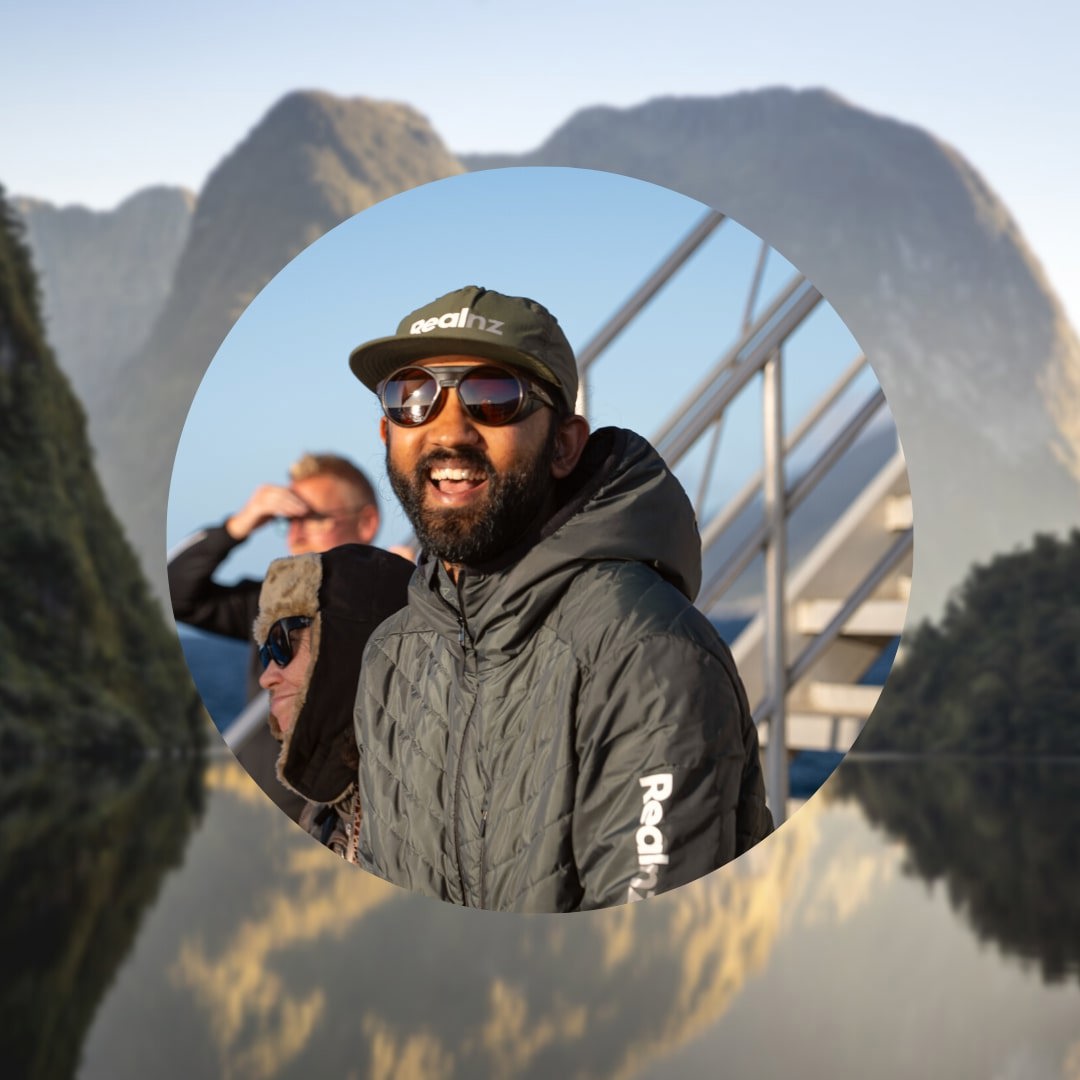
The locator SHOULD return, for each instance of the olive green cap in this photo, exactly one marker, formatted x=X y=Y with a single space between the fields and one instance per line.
x=474 y=321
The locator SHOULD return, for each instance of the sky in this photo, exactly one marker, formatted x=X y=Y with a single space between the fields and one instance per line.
x=102 y=100
x=360 y=279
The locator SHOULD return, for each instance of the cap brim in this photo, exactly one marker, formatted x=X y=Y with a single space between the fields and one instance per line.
x=374 y=360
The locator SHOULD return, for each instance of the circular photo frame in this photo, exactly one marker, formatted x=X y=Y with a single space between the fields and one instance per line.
x=662 y=519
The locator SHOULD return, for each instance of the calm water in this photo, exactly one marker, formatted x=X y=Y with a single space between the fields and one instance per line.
x=914 y=918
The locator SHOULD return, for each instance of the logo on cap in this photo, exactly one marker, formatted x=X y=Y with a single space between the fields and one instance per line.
x=452 y=320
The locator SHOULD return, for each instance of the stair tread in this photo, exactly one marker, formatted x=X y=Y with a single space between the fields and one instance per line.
x=881 y=618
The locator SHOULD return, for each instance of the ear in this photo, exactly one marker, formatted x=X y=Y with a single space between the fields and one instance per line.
x=570 y=441
x=367 y=524
x=382 y=429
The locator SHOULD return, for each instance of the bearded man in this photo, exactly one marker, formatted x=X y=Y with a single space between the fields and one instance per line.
x=549 y=725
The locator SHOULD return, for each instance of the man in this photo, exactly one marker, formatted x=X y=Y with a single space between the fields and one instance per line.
x=328 y=502
x=550 y=725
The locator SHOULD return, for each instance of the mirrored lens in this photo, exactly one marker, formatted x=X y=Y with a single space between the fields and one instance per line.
x=278 y=645
x=408 y=396
x=491 y=395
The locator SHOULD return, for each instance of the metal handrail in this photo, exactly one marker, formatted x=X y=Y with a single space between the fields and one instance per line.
x=590 y=352
x=747 y=358
x=250 y=719
x=745 y=496
x=728 y=573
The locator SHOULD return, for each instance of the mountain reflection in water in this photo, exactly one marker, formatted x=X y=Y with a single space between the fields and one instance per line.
x=84 y=849
x=821 y=953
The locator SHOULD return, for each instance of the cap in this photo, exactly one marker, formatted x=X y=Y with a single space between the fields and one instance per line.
x=475 y=321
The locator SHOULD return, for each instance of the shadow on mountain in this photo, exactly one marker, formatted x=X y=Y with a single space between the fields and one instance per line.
x=1000 y=835
x=83 y=853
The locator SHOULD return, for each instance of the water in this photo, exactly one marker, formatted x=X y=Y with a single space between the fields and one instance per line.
x=914 y=918
x=219 y=667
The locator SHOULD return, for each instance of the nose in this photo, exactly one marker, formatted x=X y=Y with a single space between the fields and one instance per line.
x=270 y=677
x=297 y=536
x=452 y=425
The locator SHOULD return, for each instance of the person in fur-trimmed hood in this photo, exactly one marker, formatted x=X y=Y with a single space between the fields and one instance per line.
x=316 y=613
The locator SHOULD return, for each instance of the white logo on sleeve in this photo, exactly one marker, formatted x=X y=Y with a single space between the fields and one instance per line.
x=452 y=320
x=650 y=840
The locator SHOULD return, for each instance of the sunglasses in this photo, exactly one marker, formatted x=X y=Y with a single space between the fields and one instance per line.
x=278 y=645
x=490 y=395
x=313 y=520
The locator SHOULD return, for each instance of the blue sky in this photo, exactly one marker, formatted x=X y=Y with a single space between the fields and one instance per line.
x=101 y=100
x=280 y=383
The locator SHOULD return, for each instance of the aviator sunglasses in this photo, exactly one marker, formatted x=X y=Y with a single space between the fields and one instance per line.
x=278 y=645
x=490 y=395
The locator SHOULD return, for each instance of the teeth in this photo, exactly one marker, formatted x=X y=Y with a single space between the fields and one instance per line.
x=455 y=474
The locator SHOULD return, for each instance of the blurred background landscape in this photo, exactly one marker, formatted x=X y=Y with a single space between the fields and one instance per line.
x=919 y=914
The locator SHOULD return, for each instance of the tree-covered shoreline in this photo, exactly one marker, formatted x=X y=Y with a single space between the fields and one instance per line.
x=88 y=664
x=1000 y=674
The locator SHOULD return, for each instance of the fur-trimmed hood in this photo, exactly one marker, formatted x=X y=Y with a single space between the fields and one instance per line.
x=347 y=592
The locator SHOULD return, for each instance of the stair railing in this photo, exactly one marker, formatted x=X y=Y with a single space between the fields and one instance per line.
x=758 y=349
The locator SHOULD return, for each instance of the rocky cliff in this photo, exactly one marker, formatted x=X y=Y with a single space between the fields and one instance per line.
x=86 y=661
x=311 y=162
x=105 y=277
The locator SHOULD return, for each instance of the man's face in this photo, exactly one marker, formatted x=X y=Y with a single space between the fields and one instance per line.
x=469 y=489
x=336 y=516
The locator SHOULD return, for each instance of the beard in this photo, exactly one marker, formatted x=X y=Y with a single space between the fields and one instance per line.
x=467 y=536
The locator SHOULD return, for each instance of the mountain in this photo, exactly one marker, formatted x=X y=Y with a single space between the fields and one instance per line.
x=86 y=661
x=311 y=162
x=925 y=266
x=908 y=243
x=105 y=276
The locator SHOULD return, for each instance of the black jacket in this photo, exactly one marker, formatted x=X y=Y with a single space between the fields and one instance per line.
x=201 y=602
x=564 y=730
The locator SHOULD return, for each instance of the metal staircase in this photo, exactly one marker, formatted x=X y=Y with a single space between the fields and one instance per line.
x=830 y=600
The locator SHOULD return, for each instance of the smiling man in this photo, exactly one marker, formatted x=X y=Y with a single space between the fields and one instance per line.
x=550 y=725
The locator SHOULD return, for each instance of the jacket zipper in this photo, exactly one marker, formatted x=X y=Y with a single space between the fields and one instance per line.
x=464 y=641
x=483 y=848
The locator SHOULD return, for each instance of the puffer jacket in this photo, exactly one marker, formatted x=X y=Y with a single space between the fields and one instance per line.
x=563 y=730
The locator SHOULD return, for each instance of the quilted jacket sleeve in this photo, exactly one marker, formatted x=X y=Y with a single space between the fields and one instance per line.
x=669 y=785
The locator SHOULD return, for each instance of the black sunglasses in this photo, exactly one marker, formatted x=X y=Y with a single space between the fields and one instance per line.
x=490 y=395
x=278 y=645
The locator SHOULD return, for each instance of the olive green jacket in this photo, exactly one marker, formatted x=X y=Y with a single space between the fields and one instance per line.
x=563 y=730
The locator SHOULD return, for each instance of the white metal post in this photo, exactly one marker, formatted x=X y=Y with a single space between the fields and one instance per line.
x=776 y=760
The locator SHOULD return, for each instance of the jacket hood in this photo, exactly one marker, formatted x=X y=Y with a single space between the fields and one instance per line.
x=620 y=503
x=347 y=591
